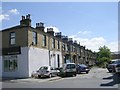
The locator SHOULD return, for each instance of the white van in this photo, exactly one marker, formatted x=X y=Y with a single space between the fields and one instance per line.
x=69 y=69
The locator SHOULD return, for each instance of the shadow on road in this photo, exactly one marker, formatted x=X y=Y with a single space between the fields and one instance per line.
x=45 y=78
x=10 y=78
x=115 y=80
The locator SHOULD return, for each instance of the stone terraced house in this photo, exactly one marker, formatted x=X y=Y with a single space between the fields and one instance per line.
x=25 y=48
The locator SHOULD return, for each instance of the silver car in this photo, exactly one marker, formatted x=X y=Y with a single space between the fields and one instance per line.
x=45 y=71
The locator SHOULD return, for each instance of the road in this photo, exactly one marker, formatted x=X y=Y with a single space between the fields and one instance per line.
x=96 y=78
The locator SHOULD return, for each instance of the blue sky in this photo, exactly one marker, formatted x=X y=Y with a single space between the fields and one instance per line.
x=93 y=24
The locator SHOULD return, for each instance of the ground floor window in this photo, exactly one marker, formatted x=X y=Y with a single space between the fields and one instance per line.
x=10 y=63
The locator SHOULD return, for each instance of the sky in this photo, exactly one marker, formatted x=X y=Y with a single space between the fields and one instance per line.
x=93 y=24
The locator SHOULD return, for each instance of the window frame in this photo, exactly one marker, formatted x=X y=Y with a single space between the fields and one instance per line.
x=44 y=43
x=10 y=63
x=53 y=43
x=34 y=37
x=58 y=44
x=12 y=37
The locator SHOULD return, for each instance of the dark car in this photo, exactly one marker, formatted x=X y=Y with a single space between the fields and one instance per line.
x=117 y=68
x=82 y=68
x=113 y=66
x=68 y=69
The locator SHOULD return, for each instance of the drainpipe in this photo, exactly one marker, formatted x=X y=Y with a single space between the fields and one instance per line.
x=49 y=50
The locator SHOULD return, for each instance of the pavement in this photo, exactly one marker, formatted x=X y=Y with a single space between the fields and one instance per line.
x=30 y=79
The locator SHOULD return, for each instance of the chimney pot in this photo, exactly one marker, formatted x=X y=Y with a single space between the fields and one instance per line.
x=41 y=24
x=28 y=16
x=36 y=24
x=23 y=17
x=49 y=29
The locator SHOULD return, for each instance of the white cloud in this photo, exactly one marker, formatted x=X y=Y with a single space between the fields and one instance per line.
x=55 y=29
x=4 y=17
x=95 y=42
x=6 y=14
x=113 y=46
x=14 y=11
x=84 y=32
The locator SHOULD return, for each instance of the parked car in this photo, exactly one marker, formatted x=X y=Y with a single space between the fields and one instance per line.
x=45 y=71
x=56 y=71
x=114 y=66
x=110 y=65
x=82 y=68
x=68 y=69
x=117 y=68
x=35 y=74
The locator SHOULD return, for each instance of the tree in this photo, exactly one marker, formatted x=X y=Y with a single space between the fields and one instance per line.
x=104 y=55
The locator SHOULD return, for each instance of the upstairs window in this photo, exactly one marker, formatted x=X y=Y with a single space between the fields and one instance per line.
x=63 y=46
x=34 y=34
x=44 y=40
x=53 y=43
x=12 y=38
x=72 y=48
x=58 y=45
x=81 y=51
x=67 y=48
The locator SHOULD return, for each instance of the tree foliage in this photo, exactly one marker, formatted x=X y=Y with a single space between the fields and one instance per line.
x=104 y=55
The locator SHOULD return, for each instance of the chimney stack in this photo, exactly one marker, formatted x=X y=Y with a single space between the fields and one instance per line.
x=50 y=31
x=75 y=41
x=70 y=40
x=40 y=26
x=65 y=38
x=58 y=34
x=26 y=21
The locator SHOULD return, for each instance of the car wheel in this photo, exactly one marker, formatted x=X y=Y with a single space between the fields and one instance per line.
x=87 y=72
x=39 y=76
x=62 y=76
x=75 y=74
x=110 y=71
x=78 y=72
x=32 y=76
x=58 y=74
x=50 y=75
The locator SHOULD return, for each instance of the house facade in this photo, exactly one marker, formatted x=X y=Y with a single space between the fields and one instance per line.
x=25 y=48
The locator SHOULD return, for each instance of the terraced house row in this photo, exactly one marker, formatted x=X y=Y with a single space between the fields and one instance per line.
x=25 y=49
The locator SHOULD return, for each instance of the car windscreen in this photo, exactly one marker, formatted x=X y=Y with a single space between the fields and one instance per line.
x=70 y=66
x=112 y=62
x=43 y=68
x=117 y=62
x=83 y=65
